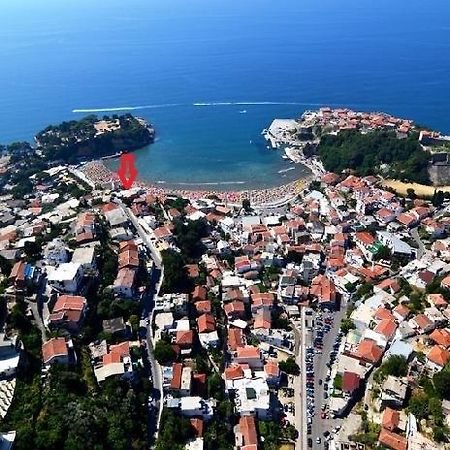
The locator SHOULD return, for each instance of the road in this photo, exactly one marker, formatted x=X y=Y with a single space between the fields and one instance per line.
x=300 y=384
x=146 y=238
x=421 y=247
x=156 y=400
x=319 y=425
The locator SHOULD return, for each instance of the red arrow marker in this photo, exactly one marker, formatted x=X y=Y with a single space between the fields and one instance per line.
x=127 y=171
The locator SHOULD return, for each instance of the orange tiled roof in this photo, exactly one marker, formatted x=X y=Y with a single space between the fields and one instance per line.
x=369 y=351
x=438 y=355
x=392 y=440
x=53 y=348
x=391 y=419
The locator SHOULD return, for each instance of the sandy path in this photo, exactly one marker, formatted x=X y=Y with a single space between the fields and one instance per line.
x=420 y=189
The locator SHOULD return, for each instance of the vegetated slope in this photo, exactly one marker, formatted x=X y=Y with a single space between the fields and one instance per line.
x=378 y=152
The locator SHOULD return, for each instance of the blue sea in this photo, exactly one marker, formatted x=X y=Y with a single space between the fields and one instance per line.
x=211 y=74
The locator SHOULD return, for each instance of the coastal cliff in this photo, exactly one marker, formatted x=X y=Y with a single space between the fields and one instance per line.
x=91 y=137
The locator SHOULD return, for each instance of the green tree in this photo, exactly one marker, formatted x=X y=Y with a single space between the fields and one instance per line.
x=347 y=325
x=395 y=365
x=289 y=366
x=164 y=353
x=438 y=198
x=441 y=381
x=418 y=405
x=216 y=386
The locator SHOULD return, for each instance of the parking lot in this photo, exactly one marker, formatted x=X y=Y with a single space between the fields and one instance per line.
x=321 y=346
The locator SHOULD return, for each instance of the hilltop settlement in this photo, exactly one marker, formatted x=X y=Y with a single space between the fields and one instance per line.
x=145 y=318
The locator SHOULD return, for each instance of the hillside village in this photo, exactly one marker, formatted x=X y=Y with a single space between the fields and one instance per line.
x=320 y=323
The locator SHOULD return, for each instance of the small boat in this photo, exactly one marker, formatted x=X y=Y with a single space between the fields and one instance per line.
x=243 y=111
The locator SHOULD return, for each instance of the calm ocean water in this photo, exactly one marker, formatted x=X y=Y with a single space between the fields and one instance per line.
x=168 y=55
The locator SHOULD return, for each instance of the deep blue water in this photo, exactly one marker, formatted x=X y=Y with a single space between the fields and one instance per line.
x=57 y=56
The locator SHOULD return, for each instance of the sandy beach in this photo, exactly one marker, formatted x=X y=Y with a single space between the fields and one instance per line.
x=99 y=174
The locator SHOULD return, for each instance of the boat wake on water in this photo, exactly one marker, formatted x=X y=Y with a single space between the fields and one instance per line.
x=196 y=104
x=286 y=170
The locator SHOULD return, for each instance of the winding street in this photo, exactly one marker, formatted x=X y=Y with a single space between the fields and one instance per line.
x=421 y=247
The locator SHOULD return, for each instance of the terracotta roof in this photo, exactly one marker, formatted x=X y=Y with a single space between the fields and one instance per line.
x=383 y=314
x=437 y=300
x=234 y=372
x=247 y=427
x=324 y=289
x=203 y=306
x=272 y=370
x=235 y=338
x=18 y=271
x=369 y=351
x=438 y=355
x=234 y=307
x=206 y=323
x=422 y=321
x=248 y=352
x=199 y=293
x=402 y=310
x=364 y=237
x=441 y=337
x=350 y=382
x=390 y=285
x=177 y=371
x=391 y=419
x=53 y=348
x=184 y=338
x=392 y=440
x=386 y=328
x=197 y=425
x=193 y=270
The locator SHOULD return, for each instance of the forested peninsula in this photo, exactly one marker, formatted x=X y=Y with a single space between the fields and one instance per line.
x=92 y=137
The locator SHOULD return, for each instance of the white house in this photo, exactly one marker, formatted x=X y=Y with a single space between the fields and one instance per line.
x=66 y=277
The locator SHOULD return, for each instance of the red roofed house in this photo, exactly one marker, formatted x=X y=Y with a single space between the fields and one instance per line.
x=391 y=419
x=247 y=433
x=181 y=380
x=437 y=300
x=262 y=300
x=235 y=339
x=249 y=355
x=206 y=323
x=68 y=312
x=184 y=340
x=197 y=425
x=235 y=310
x=369 y=351
x=386 y=328
x=234 y=372
x=324 y=290
x=422 y=323
x=392 y=440
x=203 y=306
x=273 y=373
x=437 y=357
x=441 y=337
x=408 y=220
x=200 y=293
x=17 y=275
x=350 y=382
x=55 y=350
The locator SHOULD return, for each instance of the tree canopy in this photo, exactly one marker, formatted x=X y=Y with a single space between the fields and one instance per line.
x=375 y=152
